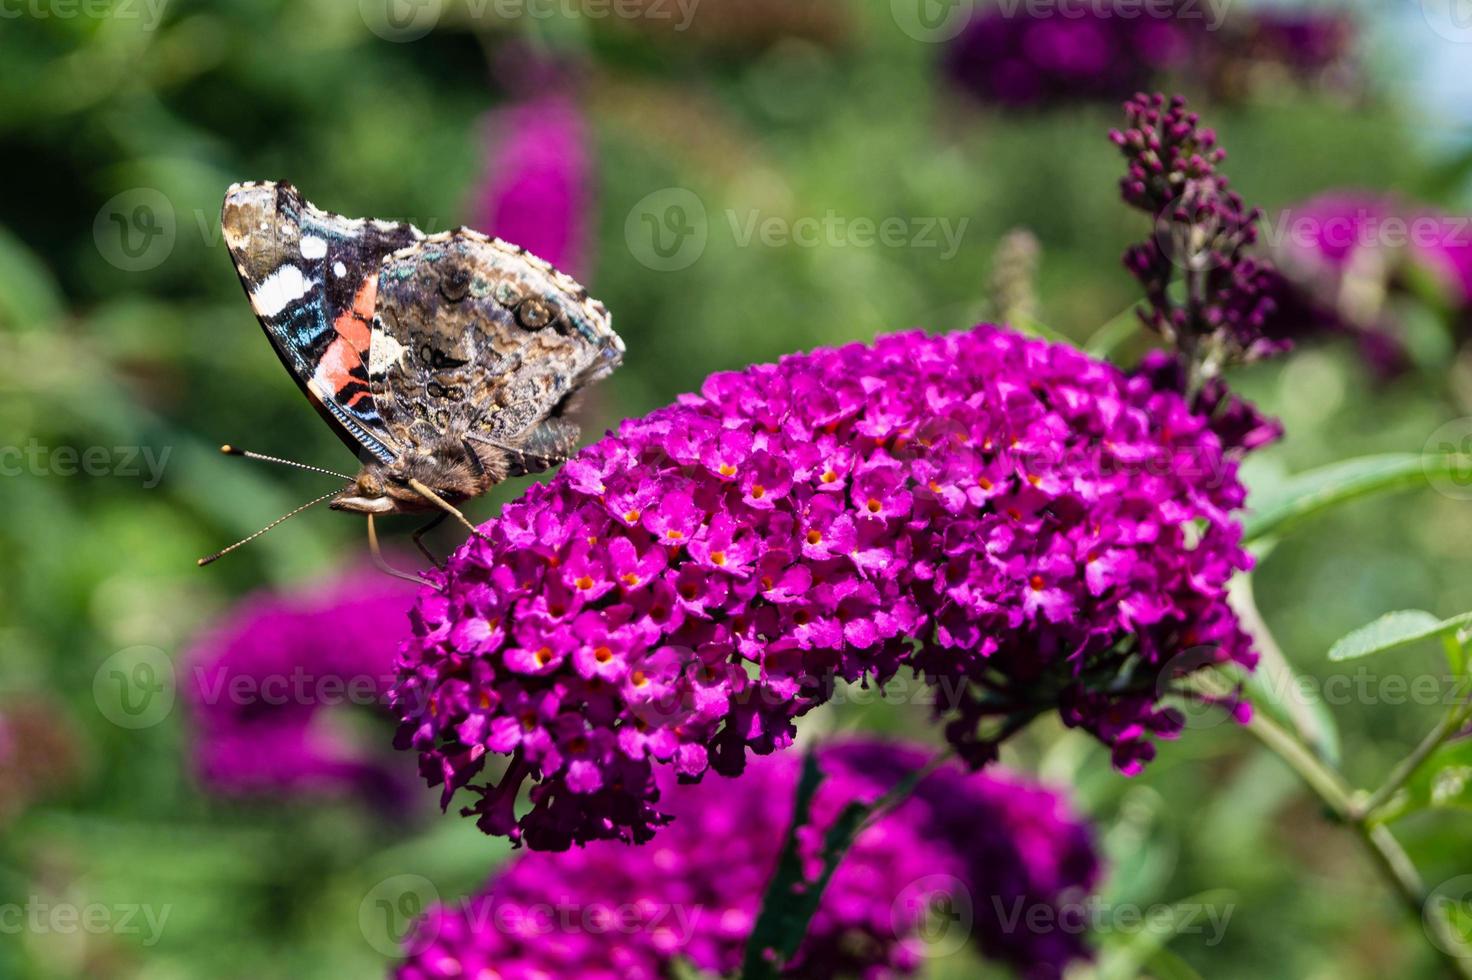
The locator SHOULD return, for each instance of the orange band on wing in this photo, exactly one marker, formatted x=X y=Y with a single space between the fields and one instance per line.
x=342 y=372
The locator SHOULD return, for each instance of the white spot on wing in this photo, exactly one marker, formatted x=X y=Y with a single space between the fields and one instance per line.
x=383 y=353
x=313 y=247
x=339 y=270
x=279 y=290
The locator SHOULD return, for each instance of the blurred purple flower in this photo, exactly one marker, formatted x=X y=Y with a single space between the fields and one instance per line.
x=1027 y=57
x=538 y=186
x=262 y=683
x=1022 y=55
x=1348 y=255
x=1264 y=48
x=997 y=850
x=1020 y=524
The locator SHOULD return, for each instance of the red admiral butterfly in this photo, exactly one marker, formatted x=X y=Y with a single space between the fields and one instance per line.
x=446 y=362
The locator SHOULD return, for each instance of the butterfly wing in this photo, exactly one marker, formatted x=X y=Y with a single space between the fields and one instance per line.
x=477 y=338
x=312 y=279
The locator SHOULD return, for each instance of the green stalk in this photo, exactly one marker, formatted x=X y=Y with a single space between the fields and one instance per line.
x=1389 y=858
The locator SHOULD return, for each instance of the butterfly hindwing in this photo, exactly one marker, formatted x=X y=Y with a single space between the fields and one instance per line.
x=312 y=280
x=475 y=338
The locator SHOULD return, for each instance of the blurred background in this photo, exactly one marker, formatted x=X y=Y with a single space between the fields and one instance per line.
x=735 y=179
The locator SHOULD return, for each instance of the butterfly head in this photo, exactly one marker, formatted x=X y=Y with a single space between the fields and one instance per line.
x=454 y=470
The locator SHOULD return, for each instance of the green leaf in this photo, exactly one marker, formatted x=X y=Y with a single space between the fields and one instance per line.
x=783 y=905
x=791 y=900
x=1311 y=493
x=1393 y=631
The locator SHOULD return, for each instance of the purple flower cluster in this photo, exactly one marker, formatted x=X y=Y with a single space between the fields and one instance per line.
x=1203 y=232
x=262 y=683
x=537 y=191
x=994 y=848
x=1020 y=524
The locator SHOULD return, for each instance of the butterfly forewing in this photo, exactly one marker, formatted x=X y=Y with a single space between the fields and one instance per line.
x=312 y=280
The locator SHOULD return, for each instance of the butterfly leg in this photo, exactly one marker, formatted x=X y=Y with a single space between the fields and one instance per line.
x=434 y=522
x=446 y=506
x=383 y=565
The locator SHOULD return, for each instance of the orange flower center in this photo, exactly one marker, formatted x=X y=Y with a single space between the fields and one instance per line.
x=758 y=491
x=638 y=679
x=603 y=655
x=829 y=476
x=727 y=470
x=630 y=578
x=632 y=516
x=815 y=536
x=1037 y=583
x=718 y=557
x=873 y=505
x=584 y=582
x=544 y=656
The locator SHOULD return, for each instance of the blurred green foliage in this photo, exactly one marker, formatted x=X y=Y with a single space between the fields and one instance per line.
x=849 y=120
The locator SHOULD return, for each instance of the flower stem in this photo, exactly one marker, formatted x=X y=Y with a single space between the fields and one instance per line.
x=1454 y=721
x=1393 y=863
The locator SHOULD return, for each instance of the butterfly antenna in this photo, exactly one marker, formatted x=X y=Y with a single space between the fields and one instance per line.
x=284 y=517
x=230 y=450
